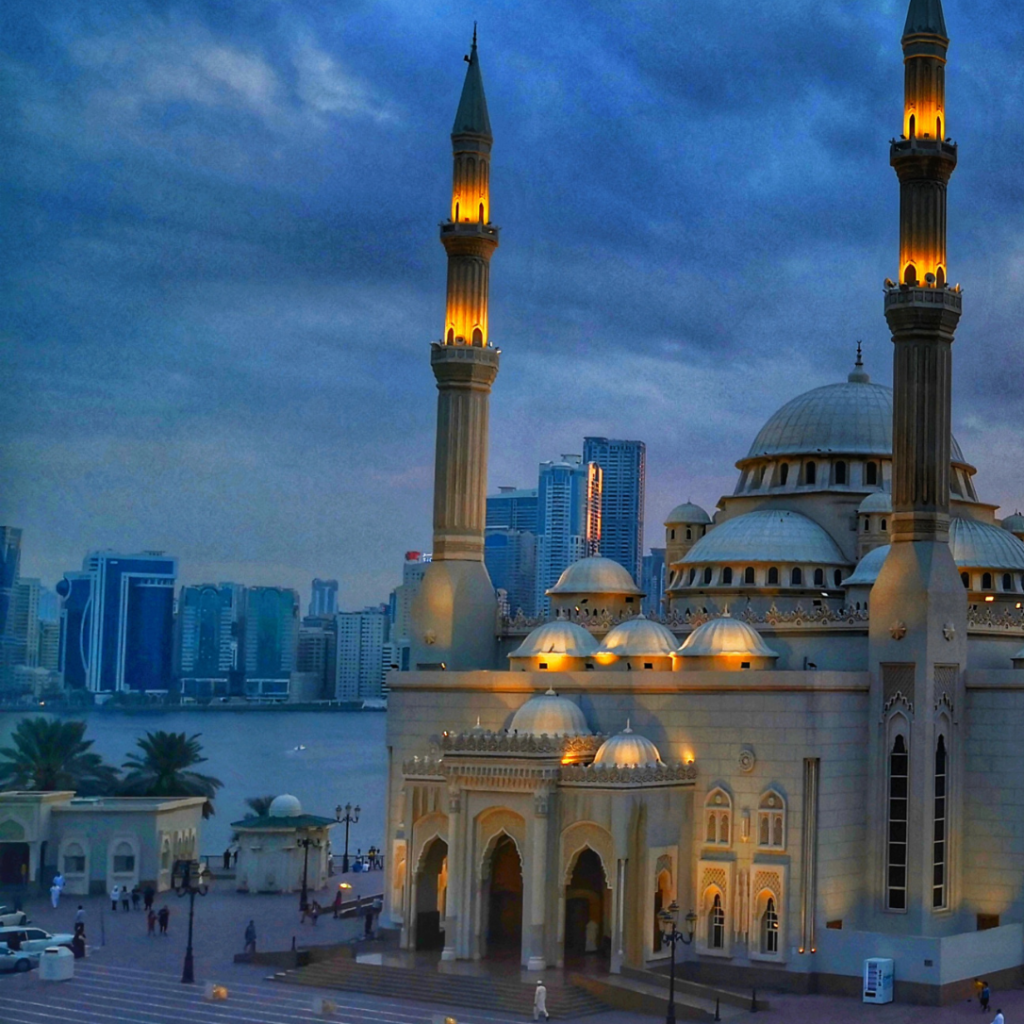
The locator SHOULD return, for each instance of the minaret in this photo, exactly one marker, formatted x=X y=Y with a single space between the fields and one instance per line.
x=454 y=615
x=918 y=606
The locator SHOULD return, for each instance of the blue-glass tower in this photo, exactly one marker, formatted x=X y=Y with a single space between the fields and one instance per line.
x=623 y=472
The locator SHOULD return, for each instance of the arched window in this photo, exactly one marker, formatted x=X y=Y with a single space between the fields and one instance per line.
x=784 y=474
x=689 y=534
x=124 y=859
x=748 y=575
x=74 y=859
x=796 y=577
x=871 y=474
x=672 y=534
x=693 y=575
x=773 y=577
x=965 y=579
x=451 y=336
x=896 y=867
x=838 y=577
x=819 y=577
x=456 y=211
x=760 y=476
x=1007 y=581
x=810 y=473
x=770 y=928
x=939 y=858
x=913 y=129
x=707 y=575
x=986 y=581
x=771 y=821
x=885 y=525
x=726 y=576
x=840 y=472
x=711 y=835
x=481 y=213
x=478 y=337
x=716 y=924
x=717 y=808
x=867 y=523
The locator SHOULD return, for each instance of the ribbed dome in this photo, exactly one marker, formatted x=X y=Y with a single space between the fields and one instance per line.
x=595 y=575
x=627 y=749
x=1014 y=523
x=559 y=636
x=548 y=713
x=687 y=513
x=639 y=637
x=285 y=806
x=868 y=568
x=879 y=501
x=984 y=546
x=852 y=418
x=766 y=536
x=725 y=635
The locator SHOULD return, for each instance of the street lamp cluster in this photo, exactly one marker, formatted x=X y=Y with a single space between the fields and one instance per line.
x=350 y=817
x=668 y=921
x=190 y=878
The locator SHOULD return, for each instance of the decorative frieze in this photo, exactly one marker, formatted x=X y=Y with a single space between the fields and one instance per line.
x=621 y=776
x=480 y=742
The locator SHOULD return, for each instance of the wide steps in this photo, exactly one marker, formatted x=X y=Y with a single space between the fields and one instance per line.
x=457 y=990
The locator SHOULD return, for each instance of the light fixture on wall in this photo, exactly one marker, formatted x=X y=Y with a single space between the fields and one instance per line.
x=745 y=826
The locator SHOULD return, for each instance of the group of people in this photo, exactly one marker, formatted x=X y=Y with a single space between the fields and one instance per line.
x=984 y=996
x=141 y=899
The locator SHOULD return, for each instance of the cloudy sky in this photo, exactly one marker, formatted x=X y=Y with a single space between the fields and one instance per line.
x=221 y=270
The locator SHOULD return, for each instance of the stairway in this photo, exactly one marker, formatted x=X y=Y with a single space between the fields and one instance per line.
x=471 y=992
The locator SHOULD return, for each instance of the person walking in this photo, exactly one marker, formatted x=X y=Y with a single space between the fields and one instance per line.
x=985 y=996
x=126 y=898
x=163 y=918
x=80 y=916
x=54 y=895
x=151 y=922
x=115 y=895
x=336 y=905
x=78 y=942
x=250 y=937
x=147 y=897
x=540 y=1002
x=227 y=859
x=998 y=1018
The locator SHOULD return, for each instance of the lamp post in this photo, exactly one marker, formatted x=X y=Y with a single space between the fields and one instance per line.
x=668 y=919
x=306 y=843
x=189 y=878
x=350 y=817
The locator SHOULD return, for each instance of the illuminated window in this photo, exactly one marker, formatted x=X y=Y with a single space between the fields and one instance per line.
x=986 y=581
x=748 y=575
x=771 y=821
x=726 y=576
x=773 y=577
x=819 y=577
x=784 y=474
x=796 y=577
x=451 y=336
x=965 y=579
x=939 y=839
x=717 y=809
x=840 y=472
x=716 y=924
x=871 y=474
x=478 y=337
x=896 y=866
x=810 y=473
x=770 y=928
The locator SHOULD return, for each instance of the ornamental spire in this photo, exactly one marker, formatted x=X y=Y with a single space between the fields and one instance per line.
x=471 y=117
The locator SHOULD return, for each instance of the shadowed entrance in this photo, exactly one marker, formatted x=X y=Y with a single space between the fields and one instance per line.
x=431 y=896
x=586 y=898
x=505 y=900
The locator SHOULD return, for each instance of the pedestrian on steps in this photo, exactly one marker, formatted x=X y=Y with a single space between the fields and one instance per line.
x=540 y=1002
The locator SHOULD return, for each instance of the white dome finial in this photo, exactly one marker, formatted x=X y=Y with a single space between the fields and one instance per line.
x=627 y=729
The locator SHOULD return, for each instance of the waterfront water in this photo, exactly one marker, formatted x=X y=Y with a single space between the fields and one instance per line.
x=323 y=758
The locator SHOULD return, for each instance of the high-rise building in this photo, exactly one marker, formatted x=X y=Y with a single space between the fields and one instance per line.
x=210 y=636
x=271 y=638
x=413 y=569
x=324 y=600
x=623 y=476
x=117 y=622
x=318 y=652
x=652 y=582
x=511 y=559
x=49 y=605
x=361 y=639
x=568 y=519
x=49 y=646
x=25 y=614
x=513 y=508
x=11 y=650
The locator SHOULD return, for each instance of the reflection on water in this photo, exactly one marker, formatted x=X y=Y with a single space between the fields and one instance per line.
x=323 y=758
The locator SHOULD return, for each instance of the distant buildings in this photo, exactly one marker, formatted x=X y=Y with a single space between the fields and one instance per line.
x=623 y=475
x=568 y=519
x=652 y=582
x=117 y=623
x=402 y=597
x=361 y=640
x=210 y=630
x=271 y=640
x=510 y=546
x=317 y=657
x=324 y=599
x=12 y=647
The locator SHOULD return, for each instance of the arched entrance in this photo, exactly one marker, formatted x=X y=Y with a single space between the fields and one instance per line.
x=662 y=898
x=431 y=895
x=14 y=863
x=587 y=912
x=504 y=899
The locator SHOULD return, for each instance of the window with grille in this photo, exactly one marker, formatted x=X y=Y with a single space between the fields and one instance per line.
x=896 y=861
x=770 y=928
x=939 y=844
x=716 y=924
x=771 y=821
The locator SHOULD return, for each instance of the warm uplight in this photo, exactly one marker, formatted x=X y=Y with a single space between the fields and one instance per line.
x=344 y=885
x=989 y=597
x=471 y=201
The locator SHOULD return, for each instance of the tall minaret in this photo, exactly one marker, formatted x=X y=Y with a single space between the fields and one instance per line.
x=454 y=614
x=918 y=607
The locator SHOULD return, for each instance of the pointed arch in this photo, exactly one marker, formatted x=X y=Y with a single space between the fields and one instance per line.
x=583 y=835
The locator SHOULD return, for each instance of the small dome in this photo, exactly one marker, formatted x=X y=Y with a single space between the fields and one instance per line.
x=627 y=749
x=687 y=513
x=878 y=501
x=1014 y=523
x=285 y=806
x=559 y=636
x=639 y=637
x=868 y=568
x=984 y=546
x=725 y=635
x=595 y=575
x=766 y=536
x=551 y=714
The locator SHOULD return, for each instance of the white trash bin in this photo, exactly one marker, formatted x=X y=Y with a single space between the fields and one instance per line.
x=57 y=963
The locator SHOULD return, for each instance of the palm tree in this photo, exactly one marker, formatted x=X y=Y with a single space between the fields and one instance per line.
x=49 y=754
x=259 y=805
x=163 y=769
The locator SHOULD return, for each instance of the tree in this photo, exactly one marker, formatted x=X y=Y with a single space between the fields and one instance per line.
x=163 y=769
x=49 y=754
x=259 y=805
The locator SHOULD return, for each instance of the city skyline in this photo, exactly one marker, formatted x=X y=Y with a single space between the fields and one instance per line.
x=212 y=291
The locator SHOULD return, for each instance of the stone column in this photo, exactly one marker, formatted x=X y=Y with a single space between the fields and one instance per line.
x=618 y=914
x=534 y=940
x=455 y=868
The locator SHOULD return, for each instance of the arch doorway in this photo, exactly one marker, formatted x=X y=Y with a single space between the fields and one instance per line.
x=662 y=898
x=431 y=895
x=504 y=899
x=14 y=863
x=587 y=908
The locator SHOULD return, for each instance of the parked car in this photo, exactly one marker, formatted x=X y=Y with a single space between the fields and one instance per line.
x=11 y=960
x=32 y=940
x=9 y=916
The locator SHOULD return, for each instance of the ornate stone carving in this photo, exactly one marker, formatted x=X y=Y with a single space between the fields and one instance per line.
x=898 y=630
x=747 y=759
x=949 y=631
x=493 y=823
x=770 y=881
x=717 y=878
x=576 y=838
x=898 y=684
x=990 y=617
x=423 y=766
x=563 y=747
x=624 y=777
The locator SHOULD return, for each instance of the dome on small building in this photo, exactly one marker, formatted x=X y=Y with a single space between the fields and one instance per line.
x=876 y=502
x=284 y=806
x=638 y=637
x=978 y=545
x=725 y=636
x=766 y=536
x=595 y=575
x=548 y=713
x=627 y=749
x=687 y=514
x=557 y=637
x=1014 y=523
x=868 y=568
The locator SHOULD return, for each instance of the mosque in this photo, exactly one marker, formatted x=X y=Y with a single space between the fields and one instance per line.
x=814 y=747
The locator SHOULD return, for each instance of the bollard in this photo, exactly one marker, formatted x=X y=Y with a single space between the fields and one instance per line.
x=753 y=1002
x=717 y=1016
x=293 y=943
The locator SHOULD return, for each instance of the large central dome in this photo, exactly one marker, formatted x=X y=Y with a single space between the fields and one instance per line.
x=852 y=418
